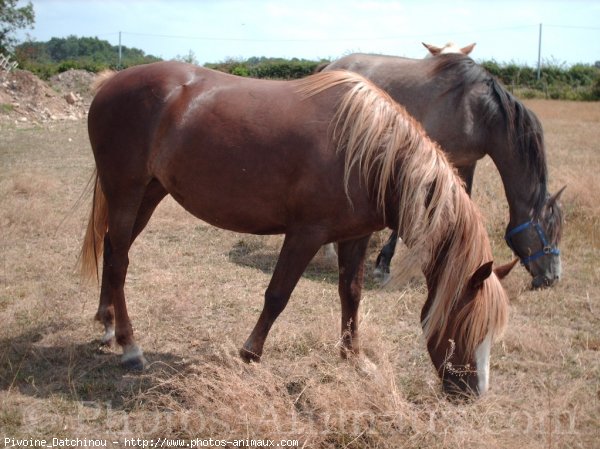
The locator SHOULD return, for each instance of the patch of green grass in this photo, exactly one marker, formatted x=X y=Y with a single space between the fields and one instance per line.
x=6 y=108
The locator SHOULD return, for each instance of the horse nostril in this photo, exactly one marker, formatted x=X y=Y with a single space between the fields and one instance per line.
x=540 y=282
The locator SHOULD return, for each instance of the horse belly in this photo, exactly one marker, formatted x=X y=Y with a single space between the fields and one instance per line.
x=233 y=201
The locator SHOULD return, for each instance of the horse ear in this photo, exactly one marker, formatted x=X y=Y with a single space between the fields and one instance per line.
x=468 y=49
x=480 y=275
x=502 y=271
x=554 y=198
x=432 y=49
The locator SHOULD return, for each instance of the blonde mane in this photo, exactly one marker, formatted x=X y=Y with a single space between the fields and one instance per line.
x=436 y=219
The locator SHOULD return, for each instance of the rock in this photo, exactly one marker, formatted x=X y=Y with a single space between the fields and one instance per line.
x=71 y=98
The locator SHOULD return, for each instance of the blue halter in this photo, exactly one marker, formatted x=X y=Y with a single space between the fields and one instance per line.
x=546 y=247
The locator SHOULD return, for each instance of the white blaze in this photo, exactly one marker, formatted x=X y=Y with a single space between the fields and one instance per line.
x=482 y=359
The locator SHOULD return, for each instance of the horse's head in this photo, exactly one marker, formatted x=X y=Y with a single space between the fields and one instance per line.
x=461 y=352
x=536 y=241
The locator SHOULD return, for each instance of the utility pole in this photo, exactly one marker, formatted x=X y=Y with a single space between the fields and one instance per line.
x=539 y=67
x=121 y=54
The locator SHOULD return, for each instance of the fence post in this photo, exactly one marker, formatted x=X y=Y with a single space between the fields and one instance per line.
x=120 y=53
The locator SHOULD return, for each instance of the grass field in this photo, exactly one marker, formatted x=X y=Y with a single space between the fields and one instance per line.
x=194 y=293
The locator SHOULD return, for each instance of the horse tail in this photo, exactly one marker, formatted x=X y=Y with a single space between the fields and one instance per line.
x=93 y=242
x=101 y=80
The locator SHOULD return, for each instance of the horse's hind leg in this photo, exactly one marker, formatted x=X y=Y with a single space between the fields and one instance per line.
x=297 y=251
x=125 y=224
x=351 y=259
x=153 y=195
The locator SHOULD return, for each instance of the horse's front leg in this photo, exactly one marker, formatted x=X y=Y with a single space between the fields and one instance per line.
x=297 y=251
x=351 y=259
x=467 y=173
x=384 y=259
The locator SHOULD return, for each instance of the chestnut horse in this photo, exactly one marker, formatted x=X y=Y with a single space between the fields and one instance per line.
x=328 y=158
x=469 y=114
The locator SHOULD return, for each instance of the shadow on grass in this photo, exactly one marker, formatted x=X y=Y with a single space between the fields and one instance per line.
x=260 y=257
x=78 y=371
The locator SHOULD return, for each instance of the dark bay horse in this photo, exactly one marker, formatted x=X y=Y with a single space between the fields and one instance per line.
x=469 y=114
x=328 y=158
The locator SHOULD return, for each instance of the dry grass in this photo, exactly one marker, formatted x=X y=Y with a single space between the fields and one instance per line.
x=194 y=293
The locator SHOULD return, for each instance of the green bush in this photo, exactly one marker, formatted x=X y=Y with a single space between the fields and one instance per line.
x=90 y=66
x=595 y=90
x=578 y=82
x=240 y=70
x=42 y=70
x=271 y=68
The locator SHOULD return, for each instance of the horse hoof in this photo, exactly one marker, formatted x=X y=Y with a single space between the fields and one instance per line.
x=135 y=364
x=249 y=356
x=108 y=338
x=106 y=344
x=133 y=359
x=380 y=275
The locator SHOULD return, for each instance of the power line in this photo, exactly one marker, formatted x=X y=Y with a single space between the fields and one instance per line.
x=343 y=39
x=574 y=27
x=107 y=34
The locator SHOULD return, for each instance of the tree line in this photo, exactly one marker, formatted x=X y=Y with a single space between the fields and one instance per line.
x=45 y=59
x=57 y=55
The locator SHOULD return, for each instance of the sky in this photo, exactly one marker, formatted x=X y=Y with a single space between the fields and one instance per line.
x=216 y=30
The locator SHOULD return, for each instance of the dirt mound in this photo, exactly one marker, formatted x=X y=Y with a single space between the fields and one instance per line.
x=78 y=82
x=24 y=98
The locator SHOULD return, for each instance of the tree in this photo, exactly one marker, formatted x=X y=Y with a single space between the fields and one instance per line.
x=12 y=19
x=189 y=58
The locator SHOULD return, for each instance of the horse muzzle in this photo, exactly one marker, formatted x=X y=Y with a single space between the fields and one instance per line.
x=543 y=281
x=460 y=389
x=546 y=273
